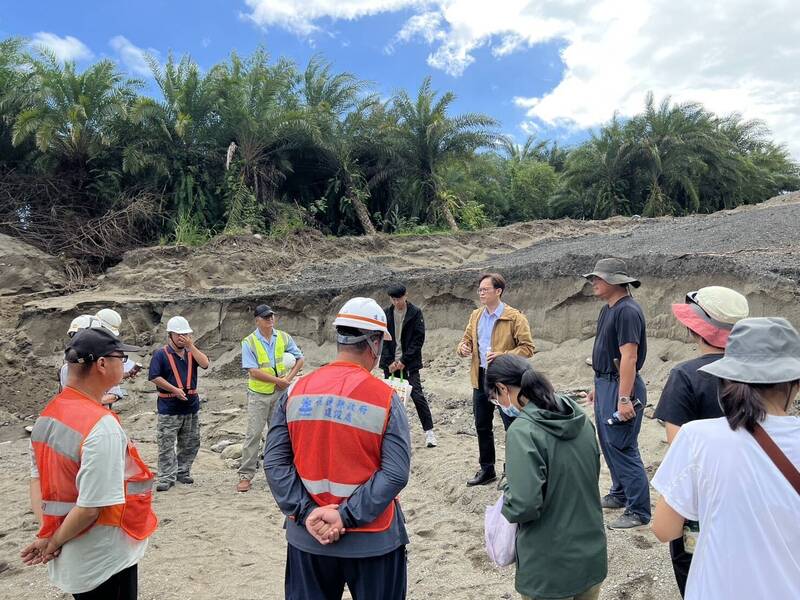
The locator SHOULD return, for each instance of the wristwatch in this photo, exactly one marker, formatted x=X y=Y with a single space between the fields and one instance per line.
x=624 y=400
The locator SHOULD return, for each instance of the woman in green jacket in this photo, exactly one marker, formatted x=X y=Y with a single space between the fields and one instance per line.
x=551 y=490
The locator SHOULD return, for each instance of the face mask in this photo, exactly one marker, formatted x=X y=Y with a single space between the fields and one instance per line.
x=377 y=349
x=511 y=410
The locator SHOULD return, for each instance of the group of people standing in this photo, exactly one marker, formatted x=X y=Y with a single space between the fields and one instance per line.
x=337 y=451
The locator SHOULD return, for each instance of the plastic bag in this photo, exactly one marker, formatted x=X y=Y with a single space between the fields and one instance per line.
x=501 y=536
x=401 y=386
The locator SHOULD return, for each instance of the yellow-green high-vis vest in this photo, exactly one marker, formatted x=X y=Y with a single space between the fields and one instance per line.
x=277 y=370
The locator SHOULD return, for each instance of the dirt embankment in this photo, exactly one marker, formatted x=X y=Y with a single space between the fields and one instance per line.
x=232 y=545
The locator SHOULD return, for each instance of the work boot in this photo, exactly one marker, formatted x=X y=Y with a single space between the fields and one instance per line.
x=627 y=520
x=482 y=477
x=186 y=479
x=610 y=501
x=243 y=485
x=163 y=486
x=430 y=439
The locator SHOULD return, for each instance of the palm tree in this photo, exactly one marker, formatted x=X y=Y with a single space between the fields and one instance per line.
x=174 y=145
x=337 y=106
x=601 y=168
x=261 y=119
x=427 y=138
x=73 y=117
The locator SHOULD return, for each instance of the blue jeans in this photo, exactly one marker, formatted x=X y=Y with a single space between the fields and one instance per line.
x=620 y=446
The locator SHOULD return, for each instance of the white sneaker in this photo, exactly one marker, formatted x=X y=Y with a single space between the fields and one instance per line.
x=430 y=439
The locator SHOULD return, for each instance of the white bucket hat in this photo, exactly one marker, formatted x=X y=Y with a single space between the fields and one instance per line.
x=762 y=350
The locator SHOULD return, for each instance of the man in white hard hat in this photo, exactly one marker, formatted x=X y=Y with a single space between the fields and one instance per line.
x=337 y=455
x=79 y=323
x=111 y=320
x=173 y=371
x=263 y=357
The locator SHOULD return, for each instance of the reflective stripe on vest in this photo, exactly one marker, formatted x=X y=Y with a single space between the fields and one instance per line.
x=61 y=438
x=326 y=486
x=336 y=418
x=177 y=376
x=264 y=364
x=57 y=439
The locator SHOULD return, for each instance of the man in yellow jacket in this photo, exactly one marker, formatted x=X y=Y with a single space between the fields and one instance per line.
x=493 y=329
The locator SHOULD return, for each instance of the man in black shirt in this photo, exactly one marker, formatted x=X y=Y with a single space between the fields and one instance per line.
x=620 y=348
x=709 y=314
x=402 y=356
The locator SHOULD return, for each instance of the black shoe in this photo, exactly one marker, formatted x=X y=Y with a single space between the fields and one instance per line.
x=185 y=478
x=163 y=486
x=483 y=477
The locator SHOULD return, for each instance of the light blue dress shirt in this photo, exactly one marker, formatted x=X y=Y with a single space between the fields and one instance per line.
x=485 y=327
x=249 y=360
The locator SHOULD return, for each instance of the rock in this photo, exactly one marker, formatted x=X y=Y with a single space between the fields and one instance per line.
x=232 y=451
x=226 y=411
x=588 y=361
x=221 y=445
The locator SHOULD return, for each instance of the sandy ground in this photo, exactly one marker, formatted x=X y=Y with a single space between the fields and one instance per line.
x=215 y=543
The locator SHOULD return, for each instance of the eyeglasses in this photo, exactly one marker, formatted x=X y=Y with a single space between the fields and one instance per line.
x=484 y=291
x=122 y=357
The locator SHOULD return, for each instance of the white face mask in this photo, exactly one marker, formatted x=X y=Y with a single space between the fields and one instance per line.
x=376 y=347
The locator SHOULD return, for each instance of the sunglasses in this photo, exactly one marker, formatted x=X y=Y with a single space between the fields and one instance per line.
x=122 y=357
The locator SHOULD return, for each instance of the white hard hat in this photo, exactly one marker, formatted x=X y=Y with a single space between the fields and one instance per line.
x=178 y=325
x=110 y=319
x=289 y=360
x=363 y=313
x=80 y=322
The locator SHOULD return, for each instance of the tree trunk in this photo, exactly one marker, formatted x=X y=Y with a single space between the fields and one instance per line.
x=448 y=216
x=363 y=214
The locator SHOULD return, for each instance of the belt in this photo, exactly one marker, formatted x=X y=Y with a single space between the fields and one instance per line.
x=607 y=376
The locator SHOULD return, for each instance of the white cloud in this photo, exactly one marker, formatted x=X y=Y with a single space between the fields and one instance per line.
x=65 y=48
x=739 y=55
x=132 y=57
x=299 y=15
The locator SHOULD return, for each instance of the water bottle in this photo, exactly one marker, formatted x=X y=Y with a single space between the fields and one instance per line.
x=615 y=420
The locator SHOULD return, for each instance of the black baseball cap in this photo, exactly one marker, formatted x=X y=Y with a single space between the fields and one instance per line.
x=90 y=344
x=263 y=310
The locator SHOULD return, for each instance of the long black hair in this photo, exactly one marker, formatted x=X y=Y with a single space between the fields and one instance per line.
x=510 y=369
x=743 y=403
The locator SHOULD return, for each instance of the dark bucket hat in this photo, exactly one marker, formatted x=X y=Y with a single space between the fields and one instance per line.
x=760 y=350
x=613 y=271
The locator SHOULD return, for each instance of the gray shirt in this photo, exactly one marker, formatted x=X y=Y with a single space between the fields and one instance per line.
x=399 y=317
x=365 y=504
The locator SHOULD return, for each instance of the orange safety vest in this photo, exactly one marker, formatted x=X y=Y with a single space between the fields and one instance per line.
x=337 y=417
x=178 y=380
x=57 y=439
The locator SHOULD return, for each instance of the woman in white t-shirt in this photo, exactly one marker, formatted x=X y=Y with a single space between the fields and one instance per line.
x=715 y=472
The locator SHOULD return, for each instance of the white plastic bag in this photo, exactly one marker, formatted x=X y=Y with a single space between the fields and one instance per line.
x=401 y=386
x=501 y=536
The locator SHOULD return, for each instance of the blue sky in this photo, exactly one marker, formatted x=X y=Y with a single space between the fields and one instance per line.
x=555 y=68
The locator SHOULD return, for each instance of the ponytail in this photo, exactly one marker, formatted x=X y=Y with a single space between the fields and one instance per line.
x=536 y=388
x=743 y=403
x=510 y=369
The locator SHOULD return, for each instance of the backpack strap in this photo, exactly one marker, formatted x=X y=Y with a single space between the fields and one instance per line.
x=777 y=456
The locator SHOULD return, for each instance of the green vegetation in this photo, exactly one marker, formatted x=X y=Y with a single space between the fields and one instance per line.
x=91 y=166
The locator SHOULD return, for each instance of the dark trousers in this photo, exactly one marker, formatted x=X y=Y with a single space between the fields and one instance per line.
x=418 y=396
x=120 y=586
x=315 y=577
x=681 y=561
x=483 y=410
x=620 y=446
